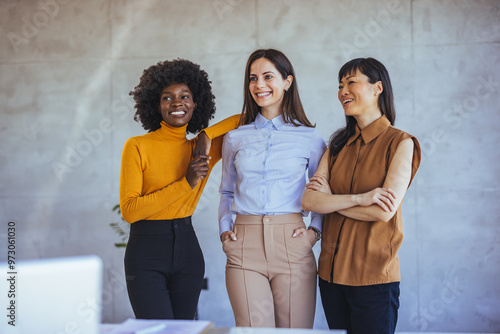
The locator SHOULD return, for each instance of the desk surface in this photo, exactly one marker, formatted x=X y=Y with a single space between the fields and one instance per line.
x=246 y=330
x=106 y=328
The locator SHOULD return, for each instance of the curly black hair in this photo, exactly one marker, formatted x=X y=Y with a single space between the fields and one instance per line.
x=147 y=94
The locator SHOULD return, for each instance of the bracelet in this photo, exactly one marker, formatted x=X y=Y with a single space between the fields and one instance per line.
x=317 y=232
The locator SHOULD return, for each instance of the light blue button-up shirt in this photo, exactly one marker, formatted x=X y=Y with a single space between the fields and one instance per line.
x=264 y=166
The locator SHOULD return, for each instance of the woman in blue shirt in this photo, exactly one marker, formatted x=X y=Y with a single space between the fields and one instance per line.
x=271 y=269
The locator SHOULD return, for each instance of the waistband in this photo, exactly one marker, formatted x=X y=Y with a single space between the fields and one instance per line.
x=291 y=218
x=163 y=226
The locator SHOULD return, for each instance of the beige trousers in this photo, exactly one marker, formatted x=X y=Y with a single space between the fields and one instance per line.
x=270 y=276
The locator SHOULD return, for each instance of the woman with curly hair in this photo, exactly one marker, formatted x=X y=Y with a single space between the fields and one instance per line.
x=162 y=177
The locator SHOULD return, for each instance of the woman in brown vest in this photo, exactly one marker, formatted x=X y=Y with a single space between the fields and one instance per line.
x=360 y=184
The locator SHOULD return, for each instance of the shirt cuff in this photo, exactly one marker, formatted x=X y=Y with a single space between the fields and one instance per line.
x=317 y=221
x=225 y=225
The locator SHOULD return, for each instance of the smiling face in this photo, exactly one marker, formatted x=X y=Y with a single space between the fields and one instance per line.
x=176 y=104
x=267 y=86
x=358 y=96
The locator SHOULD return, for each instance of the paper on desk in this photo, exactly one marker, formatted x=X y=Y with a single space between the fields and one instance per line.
x=133 y=326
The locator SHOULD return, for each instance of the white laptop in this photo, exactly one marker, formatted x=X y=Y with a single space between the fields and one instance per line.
x=52 y=296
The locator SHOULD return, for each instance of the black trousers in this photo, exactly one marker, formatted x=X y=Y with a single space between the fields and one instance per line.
x=164 y=269
x=369 y=309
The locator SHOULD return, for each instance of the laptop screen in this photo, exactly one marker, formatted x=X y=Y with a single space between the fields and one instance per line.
x=53 y=296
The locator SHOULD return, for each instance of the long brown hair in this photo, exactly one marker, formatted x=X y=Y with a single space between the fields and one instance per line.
x=293 y=111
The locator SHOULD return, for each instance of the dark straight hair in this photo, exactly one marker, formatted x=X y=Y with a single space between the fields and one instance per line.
x=292 y=109
x=375 y=71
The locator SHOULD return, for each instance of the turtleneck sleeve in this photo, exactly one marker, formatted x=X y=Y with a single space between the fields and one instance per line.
x=222 y=127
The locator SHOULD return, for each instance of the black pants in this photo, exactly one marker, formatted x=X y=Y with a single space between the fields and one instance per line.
x=370 y=309
x=164 y=268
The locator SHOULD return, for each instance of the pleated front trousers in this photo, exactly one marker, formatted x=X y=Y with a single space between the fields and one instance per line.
x=270 y=275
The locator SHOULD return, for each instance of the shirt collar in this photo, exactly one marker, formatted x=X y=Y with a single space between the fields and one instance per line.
x=371 y=131
x=260 y=121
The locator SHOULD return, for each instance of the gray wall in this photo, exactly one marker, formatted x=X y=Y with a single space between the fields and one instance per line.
x=67 y=67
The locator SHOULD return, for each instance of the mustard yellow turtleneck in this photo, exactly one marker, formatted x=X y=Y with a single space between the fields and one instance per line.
x=153 y=181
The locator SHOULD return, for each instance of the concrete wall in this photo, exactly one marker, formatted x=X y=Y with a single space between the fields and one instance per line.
x=67 y=67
